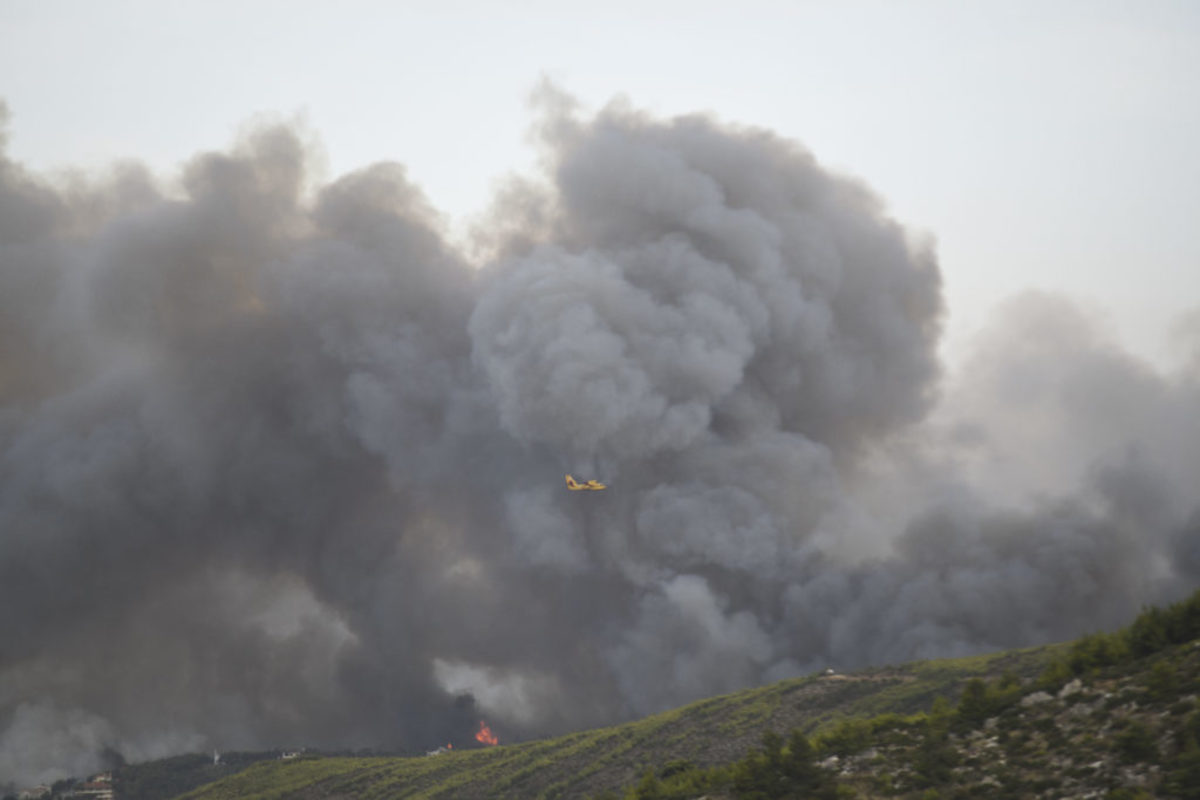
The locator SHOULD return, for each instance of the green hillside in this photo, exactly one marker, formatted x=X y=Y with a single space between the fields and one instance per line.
x=714 y=731
x=1110 y=715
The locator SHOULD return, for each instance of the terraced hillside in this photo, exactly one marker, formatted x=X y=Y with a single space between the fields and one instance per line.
x=1111 y=716
x=716 y=731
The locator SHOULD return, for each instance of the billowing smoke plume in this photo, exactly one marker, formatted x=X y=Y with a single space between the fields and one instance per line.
x=283 y=465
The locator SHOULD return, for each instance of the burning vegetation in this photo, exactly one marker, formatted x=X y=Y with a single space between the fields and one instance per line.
x=485 y=736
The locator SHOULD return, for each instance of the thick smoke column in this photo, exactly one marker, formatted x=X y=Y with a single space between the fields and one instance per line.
x=283 y=466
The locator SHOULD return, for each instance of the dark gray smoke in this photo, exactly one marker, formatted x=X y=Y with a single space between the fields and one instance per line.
x=283 y=466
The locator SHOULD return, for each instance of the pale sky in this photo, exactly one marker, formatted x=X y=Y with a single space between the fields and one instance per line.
x=1045 y=145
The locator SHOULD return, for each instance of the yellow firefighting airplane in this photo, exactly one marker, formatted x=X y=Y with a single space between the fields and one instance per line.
x=576 y=486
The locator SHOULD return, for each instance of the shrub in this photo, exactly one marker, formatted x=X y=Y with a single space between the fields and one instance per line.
x=941 y=707
x=774 y=773
x=846 y=738
x=1097 y=650
x=649 y=788
x=1157 y=628
x=1127 y=794
x=1056 y=673
x=1183 y=780
x=1148 y=633
x=1162 y=681
x=1136 y=744
x=973 y=706
x=935 y=759
x=675 y=767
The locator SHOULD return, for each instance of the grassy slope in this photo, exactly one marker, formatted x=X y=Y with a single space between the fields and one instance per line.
x=714 y=731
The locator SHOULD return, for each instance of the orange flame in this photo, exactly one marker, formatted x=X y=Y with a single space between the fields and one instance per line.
x=485 y=736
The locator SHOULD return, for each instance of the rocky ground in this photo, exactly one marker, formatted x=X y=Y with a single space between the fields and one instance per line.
x=1120 y=733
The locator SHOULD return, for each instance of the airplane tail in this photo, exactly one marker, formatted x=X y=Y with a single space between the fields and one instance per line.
x=576 y=486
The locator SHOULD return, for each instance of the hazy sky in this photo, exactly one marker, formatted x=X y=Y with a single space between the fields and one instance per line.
x=1047 y=145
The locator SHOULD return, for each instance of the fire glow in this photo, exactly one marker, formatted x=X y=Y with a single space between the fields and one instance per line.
x=485 y=736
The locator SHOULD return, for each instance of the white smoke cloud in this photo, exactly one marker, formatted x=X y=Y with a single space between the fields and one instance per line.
x=43 y=744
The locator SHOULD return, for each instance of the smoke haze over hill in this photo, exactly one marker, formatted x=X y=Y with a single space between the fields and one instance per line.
x=282 y=464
